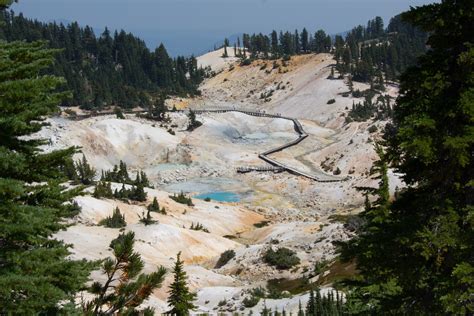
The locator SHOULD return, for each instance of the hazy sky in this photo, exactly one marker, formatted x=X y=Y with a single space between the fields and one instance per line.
x=194 y=26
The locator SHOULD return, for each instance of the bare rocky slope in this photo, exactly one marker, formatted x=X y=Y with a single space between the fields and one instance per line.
x=299 y=213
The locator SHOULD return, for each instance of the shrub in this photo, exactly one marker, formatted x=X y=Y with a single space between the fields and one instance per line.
x=261 y=224
x=193 y=123
x=332 y=101
x=246 y=62
x=147 y=220
x=182 y=199
x=251 y=301
x=155 y=207
x=337 y=171
x=117 y=220
x=136 y=193
x=199 y=226
x=225 y=257
x=372 y=129
x=118 y=112
x=85 y=173
x=207 y=199
x=103 y=190
x=255 y=295
x=282 y=259
x=70 y=112
x=320 y=267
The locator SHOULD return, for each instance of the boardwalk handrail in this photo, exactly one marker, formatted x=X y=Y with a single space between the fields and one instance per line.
x=297 y=126
x=301 y=136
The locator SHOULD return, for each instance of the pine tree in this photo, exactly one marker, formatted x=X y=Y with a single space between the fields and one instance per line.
x=311 y=307
x=300 y=309
x=180 y=299
x=155 y=207
x=35 y=274
x=415 y=254
x=85 y=172
x=117 y=220
x=138 y=193
x=226 y=44
x=147 y=220
x=125 y=288
x=304 y=41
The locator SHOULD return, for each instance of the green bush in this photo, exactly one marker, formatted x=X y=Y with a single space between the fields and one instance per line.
x=282 y=259
x=199 y=226
x=118 y=112
x=246 y=62
x=117 y=220
x=225 y=257
x=103 y=190
x=182 y=199
x=372 y=129
x=261 y=224
x=147 y=220
x=155 y=207
x=332 y=101
x=251 y=301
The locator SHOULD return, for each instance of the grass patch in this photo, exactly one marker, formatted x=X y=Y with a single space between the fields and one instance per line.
x=295 y=286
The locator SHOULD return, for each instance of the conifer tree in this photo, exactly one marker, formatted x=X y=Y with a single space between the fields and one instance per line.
x=304 y=41
x=35 y=274
x=180 y=298
x=85 y=172
x=117 y=220
x=311 y=307
x=226 y=44
x=300 y=309
x=415 y=255
x=125 y=287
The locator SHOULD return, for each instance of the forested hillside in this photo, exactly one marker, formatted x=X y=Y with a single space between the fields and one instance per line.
x=365 y=53
x=109 y=69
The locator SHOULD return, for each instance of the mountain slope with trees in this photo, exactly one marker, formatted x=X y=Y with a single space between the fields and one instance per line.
x=109 y=69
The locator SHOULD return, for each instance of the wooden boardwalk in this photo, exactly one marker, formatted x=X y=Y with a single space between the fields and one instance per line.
x=259 y=169
x=275 y=165
x=264 y=156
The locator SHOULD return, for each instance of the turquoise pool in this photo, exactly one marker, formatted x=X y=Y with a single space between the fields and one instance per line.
x=220 y=196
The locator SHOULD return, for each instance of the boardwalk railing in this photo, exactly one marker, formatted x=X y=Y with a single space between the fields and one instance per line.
x=259 y=169
x=264 y=156
x=276 y=166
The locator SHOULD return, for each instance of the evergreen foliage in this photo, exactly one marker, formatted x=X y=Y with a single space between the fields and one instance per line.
x=282 y=258
x=155 y=207
x=180 y=298
x=85 y=173
x=103 y=190
x=35 y=274
x=120 y=174
x=415 y=254
x=199 y=226
x=117 y=220
x=366 y=51
x=111 y=69
x=182 y=199
x=125 y=288
x=225 y=257
x=325 y=305
x=193 y=123
x=147 y=220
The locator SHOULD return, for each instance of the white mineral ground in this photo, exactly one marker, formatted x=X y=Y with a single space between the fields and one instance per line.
x=206 y=159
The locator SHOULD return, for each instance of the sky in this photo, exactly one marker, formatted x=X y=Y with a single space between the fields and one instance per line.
x=194 y=26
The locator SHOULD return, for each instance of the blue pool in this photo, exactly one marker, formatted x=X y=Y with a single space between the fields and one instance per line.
x=220 y=196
